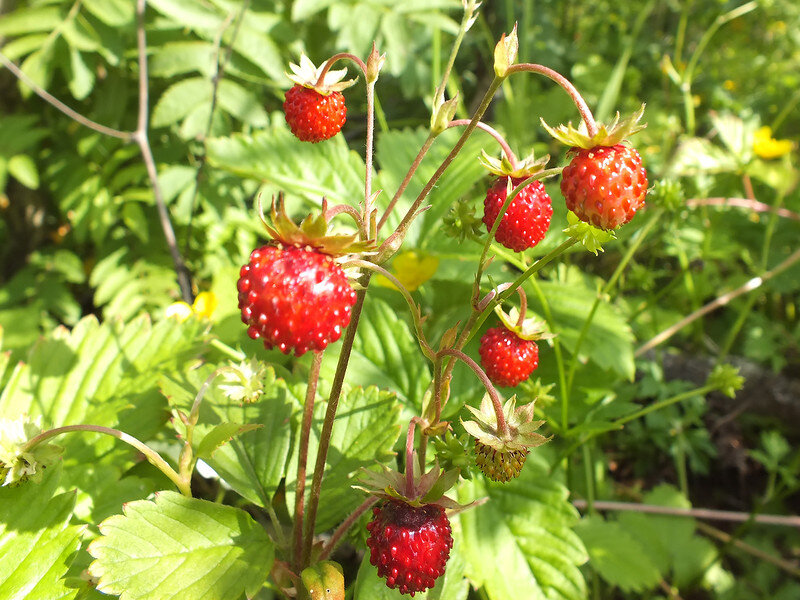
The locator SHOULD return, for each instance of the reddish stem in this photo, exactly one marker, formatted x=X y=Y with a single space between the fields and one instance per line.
x=494 y=133
x=346 y=524
x=410 y=457
x=341 y=55
x=523 y=307
x=580 y=103
x=494 y=395
x=302 y=460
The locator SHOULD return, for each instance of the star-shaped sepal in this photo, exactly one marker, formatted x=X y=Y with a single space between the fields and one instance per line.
x=607 y=135
x=307 y=74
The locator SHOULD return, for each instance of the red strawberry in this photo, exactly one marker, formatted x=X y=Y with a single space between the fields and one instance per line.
x=314 y=117
x=409 y=545
x=507 y=358
x=604 y=185
x=294 y=298
x=527 y=218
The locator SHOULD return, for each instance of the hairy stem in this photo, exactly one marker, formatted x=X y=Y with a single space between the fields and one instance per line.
x=494 y=395
x=580 y=103
x=302 y=460
x=327 y=425
x=153 y=457
x=338 y=534
x=512 y=158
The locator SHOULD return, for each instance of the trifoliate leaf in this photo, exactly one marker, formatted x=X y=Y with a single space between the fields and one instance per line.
x=616 y=556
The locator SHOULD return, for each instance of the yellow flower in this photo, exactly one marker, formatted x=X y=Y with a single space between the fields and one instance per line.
x=729 y=84
x=204 y=306
x=412 y=269
x=766 y=146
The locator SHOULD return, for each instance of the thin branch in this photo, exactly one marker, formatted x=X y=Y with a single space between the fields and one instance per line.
x=697 y=513
x=748 y=286
x=140 y=136
x=494 y=395
x=726 y=538
x=492 y=132
x=219 y=72
x=56 y=103
x=330 y=546
x=580 y=103
x=753 y=205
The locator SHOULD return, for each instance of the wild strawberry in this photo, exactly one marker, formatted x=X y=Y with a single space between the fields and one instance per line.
x=294 y=298
x=293 y=294
x=509 y=353
x=507 y=358
x=409 y=545
x=500 y=455
x=313 y=117
x=314 y=107
x=526 y=219
x=604 y=185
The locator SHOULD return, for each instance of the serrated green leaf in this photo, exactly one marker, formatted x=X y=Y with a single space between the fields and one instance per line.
x=241 y=103
x=387 y=355
x=30 y=20
x=23 y=169
x=179 y=100
x=366 y=427
x=670 y=541
x=254 y=464
x=180 y=547
x=80 y=78
x=198 y=16
x=608 y=341
x=179 y=58
x=220 y=435
x=276 y=156
x=450 y=586
x=36 y=541
x=619 y=558
x=114 y=13
x=526 y=527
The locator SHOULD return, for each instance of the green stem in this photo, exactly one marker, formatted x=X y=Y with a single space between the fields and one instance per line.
x=664 y=403
x=412 y=211
x=642 y=234
x=225 y=349
x=588 y=471
x=153 y=457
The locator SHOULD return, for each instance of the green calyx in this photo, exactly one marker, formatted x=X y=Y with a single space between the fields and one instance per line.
x=607 y=135
x=531 y=328
x=312 y=231
x=505 y=168
x=521 y=426
x=429 y=488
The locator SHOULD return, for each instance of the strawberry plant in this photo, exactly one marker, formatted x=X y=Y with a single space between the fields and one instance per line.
x=279 y=344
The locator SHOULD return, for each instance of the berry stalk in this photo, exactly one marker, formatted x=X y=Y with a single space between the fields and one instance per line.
x=494 y=395
x=580 y=103
x=153 y=457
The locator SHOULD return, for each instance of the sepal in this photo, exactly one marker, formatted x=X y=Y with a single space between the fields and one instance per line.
x=591 y=237
x=505 y=52
x=607 y=135
x=523 y=169
x=307 y=75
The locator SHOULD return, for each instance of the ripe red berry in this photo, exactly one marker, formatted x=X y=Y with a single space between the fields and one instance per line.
x=506 y=357
x=527 y=218
x=604 y=185
x=409 y=545
x=312 y=116
x=294 y=298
